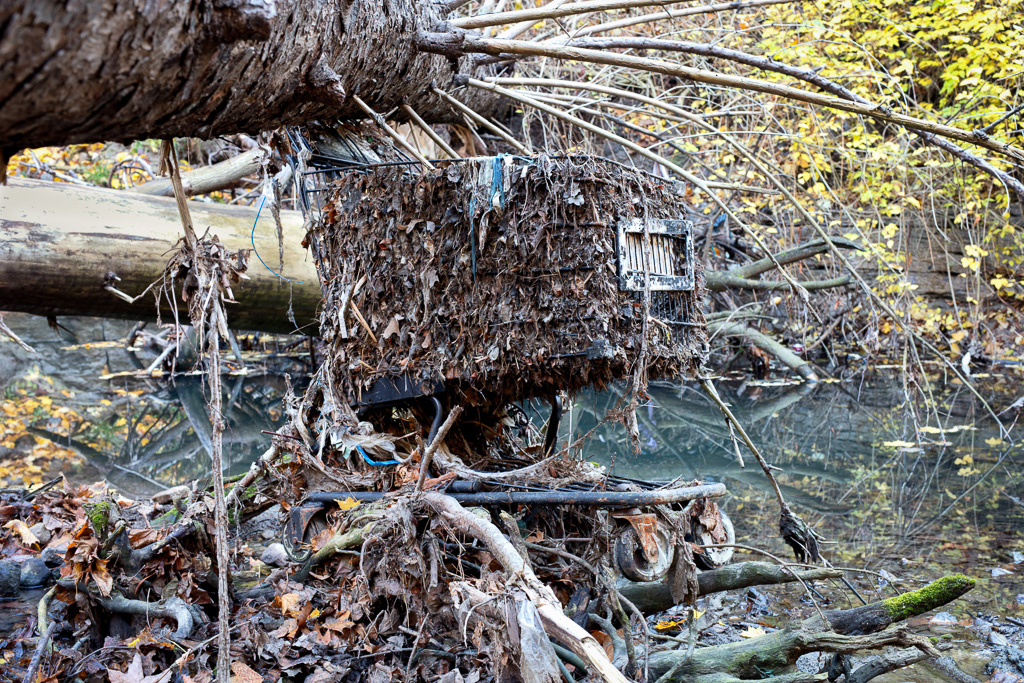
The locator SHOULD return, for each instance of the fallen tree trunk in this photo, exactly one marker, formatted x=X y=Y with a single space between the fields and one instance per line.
x=59 y=242
x=85 y=72
x=770 y=656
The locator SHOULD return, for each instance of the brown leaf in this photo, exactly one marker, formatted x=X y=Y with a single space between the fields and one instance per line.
x=19 y=527
x=289 y=603
x=392 y=328
x=288 y=629
x=243 y=674
x=140 y=538
x=135 y=674
x=104 y=581
x=342 y=623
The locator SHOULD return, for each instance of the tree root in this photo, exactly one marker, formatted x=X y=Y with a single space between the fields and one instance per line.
x=185 y=616
x=556 y=624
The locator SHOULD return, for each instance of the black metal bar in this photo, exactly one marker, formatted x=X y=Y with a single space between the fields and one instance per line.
x=553 y=497
x=438 y=415
x=552 y=432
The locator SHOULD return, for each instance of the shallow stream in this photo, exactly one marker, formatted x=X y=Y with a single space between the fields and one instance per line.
x=905 y=475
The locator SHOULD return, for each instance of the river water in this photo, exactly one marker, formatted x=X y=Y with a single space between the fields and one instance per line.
x=904 y=474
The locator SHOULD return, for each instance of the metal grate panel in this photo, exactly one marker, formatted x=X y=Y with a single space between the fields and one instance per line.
x=669 y=260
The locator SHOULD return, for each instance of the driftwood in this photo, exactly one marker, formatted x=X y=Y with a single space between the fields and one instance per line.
x=227 y=173
x=37 y=656
x=556 y=624
x=652 y=598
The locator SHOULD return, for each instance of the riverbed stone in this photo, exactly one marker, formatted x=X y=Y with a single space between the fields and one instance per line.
x=10 y=578
x=1008 y=659
x=41 y=532
x=52 y=557
x=34 y=572
x=275 y=555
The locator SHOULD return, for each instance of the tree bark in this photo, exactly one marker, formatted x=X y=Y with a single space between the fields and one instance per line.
x=58 y=242
x=81 y=71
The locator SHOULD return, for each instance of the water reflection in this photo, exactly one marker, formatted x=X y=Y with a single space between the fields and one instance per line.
x=874 y=466
x=163 y=438
x=141 y=435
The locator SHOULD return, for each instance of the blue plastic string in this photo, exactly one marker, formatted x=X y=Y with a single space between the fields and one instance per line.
x=472 y=234
x=252 y=240
x=375 y=463
x=497 y=182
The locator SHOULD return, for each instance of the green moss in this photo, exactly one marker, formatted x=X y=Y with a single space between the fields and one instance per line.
x=935 y=594
x=99 y=516
x=167 y=519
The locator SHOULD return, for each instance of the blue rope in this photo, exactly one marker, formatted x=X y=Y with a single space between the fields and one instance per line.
x=497 y=184
x=252 y=240
x=472 y=234
x=370 y=461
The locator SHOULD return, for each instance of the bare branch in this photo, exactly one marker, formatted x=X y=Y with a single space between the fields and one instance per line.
x=808 y=75
x=405 y=144
x=499 y=47
x=548 y=12
x=429 y=130
x=483 y=122
x=676 y=13
x=10 y=333
x=524 y=26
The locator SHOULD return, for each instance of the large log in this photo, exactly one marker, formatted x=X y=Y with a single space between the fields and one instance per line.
x=83 y=71
x=59 y=241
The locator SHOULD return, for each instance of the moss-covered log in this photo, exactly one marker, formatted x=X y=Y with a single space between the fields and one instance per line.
x=847 y=631
x=118 y=70
x=876 y=616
